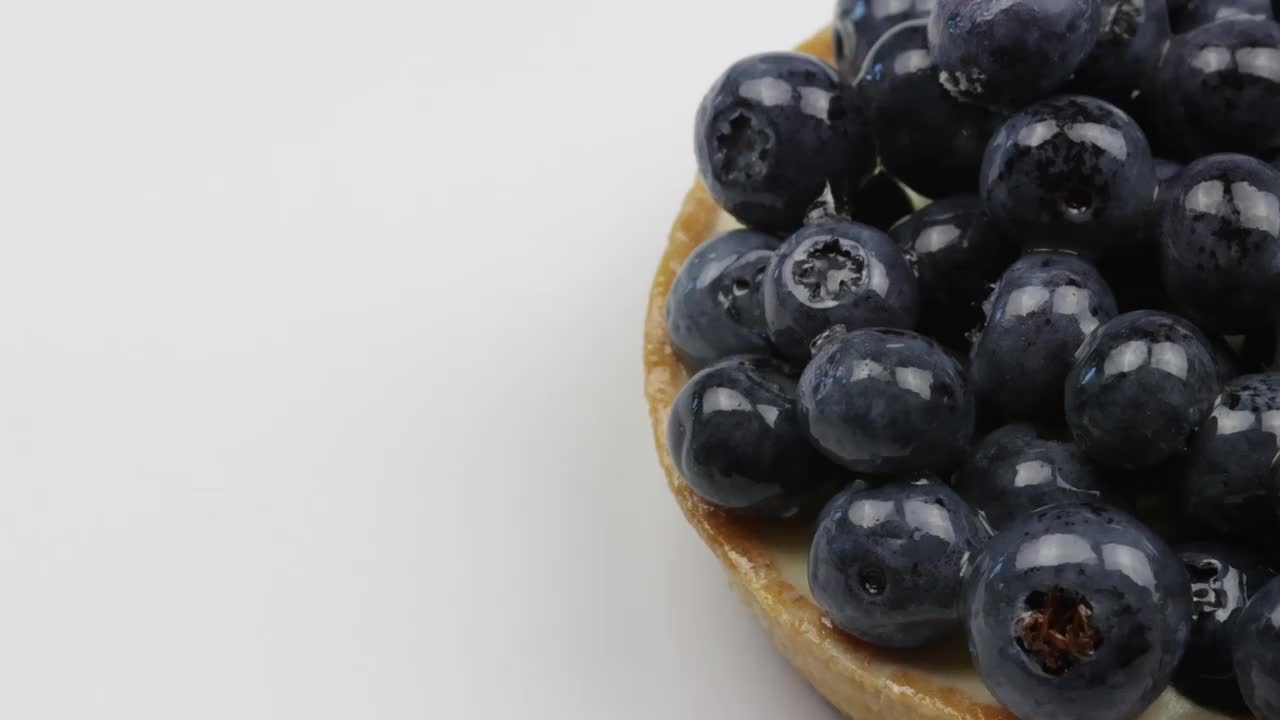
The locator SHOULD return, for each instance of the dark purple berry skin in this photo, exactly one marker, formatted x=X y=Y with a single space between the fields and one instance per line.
x=1141 y=385
x=836 y=272
x=1011 y=52
x=1044 y=308
x=1218 y=89
x=887 y=402
x=1220 y=240
x=887 y=564
x=1257 y=652
x=860 y=23
x=716 y=306
x=1223 y=579
x=1134 y=33
x=1202 y=12
x=735 y=437
x=925 y=136
x=1013 y=472
x=774 y=133
x=1069 y=173
x=1102 y=577
x=958 y=254
x=1224 y=481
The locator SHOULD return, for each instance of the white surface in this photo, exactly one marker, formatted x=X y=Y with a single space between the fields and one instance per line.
x=320 y=387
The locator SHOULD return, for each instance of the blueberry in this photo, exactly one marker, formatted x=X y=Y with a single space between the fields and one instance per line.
x=1077 y=611
x=1013 y=472
x=860 y=23
x=1043 y=309
x=887 y=402
x=1257 y=652
x=1220 y=240
x=736 y=439
x=1011 y=52
x=836 y=272
x=958 y=254
x=1223 y=485
x=1202 y=12
x=1133 y=37
x=773 y=133
x=886 y=564
x=926 y=137
x=1218 y=89
x=1140 y=387
x=1223 y=578
x=1069 y=173
x=715 y=308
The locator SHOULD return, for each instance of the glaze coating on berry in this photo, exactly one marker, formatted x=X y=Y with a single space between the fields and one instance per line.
x=925 y=136
x=1069 y=173
x=860 y=23
x=1013 y=472
x=736 y=439
x=886 y=564
x=1043 y=309
x=1140 y=387
x=1077 y=611
x=773 y=133
x=1011 y=52
x=716 y=306
x=958 y=254
x=887 y=402
x=836 y=272
x=1224 y=481
x=1218 y=89
x=1220 y=242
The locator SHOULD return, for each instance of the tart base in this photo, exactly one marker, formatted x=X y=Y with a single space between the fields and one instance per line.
x=860 y=680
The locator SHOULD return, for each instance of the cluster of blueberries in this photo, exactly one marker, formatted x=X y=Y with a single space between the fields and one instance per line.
x=979 y=399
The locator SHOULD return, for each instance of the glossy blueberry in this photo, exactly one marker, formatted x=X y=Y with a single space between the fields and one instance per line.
x=1223 y=578
x=716 y=307
x=775 y=132
x=926 y=137
x=886 y=564
x=1220 y=242
x=1069 y=173
x=1223 y=485
x=1077 y=611
x=958 y=254
x=887 y=402
x=1218 y=89
x=1013 y=472
x=860 y=23
x=1202 y=12
x=1140 y=387
x=836 y=272
x=1044 y=307
x=1011 y=52
x=736 y=439
x=1134 y=33
x=1257 y=652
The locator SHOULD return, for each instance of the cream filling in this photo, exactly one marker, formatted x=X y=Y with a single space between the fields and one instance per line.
x=947 y=665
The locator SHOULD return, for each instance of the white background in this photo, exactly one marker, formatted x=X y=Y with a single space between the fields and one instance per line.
x=320 y=385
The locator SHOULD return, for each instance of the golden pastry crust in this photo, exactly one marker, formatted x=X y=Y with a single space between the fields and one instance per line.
x=853 y=676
